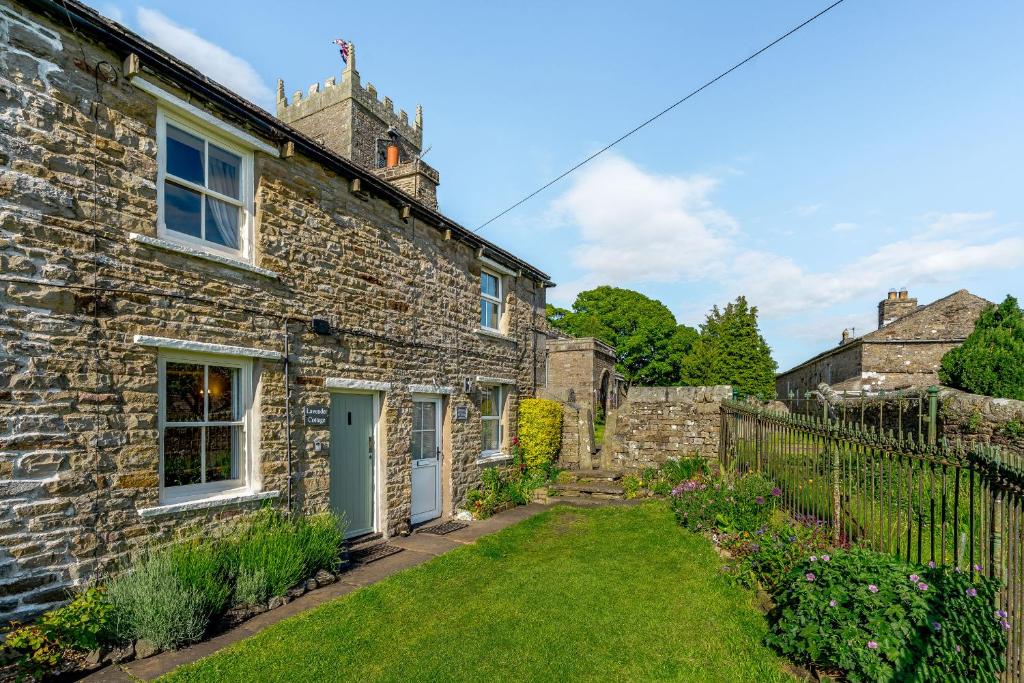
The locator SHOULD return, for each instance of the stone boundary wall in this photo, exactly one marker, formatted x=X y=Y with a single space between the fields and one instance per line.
x=655 y=424
x=578 y=446
x=970 y=417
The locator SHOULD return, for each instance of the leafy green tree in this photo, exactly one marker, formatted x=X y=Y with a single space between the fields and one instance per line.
x=991 y=360
x=731 y=350
x=649 y=343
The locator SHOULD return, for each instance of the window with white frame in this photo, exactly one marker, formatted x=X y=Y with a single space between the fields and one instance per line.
x=490 y=300
x=492 y=404
x=205 y=405
x=204 y=188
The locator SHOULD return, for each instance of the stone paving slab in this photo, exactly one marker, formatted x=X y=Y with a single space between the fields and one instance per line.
x=417 y=549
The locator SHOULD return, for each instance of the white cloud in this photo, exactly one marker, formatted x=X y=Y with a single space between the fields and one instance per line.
x=638 y=226
x=113 y=12
x=641 y=227
x=212 y=60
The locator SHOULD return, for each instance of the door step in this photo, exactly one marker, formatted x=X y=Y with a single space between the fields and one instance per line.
x=363 y=539
x=587 y=489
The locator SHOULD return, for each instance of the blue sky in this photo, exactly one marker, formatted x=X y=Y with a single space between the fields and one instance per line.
x=879 y=147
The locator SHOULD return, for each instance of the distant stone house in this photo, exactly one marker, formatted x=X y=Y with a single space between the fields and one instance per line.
x=205 y=308
x=905 y=351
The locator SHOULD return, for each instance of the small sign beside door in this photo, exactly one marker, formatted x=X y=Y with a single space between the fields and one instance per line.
x=316 y=415
x=461 y=413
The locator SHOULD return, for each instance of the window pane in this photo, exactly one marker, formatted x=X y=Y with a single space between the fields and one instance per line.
x=417 y=445
x=428 y=441
x=488 y=284
x=489 y=431
x=489 y=401
x=224 y=171
x=182 y=210
x=417 y=415
x=185 y=155
x=221 y=453
x=222 y=391
x=182 y=464
x=488 y=314
x=184 y=392
x=221 y=223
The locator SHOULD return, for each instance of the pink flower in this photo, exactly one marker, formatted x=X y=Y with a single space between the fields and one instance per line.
x=873 y=588
x=872 y=645
x=914 y=578
x=972 y=592
x=922 y=586
x=825 y=558
x=814 y=558
x=931 y=564
x=831 y=603
x=810 y=576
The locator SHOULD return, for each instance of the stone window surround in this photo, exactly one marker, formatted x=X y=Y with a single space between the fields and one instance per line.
x=200 y=253
x=213 y=495
x=221 y=136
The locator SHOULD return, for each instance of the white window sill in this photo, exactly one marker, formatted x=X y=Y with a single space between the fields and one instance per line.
x=220 y=499
x=490 y=458
x=494 y=334
x=199 y=253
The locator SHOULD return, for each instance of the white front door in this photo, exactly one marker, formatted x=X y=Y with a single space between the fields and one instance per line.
x=426 y=458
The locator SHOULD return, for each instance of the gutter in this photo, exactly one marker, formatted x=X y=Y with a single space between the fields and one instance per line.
x=82 y=19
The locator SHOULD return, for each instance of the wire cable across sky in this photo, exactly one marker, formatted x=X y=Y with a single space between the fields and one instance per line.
x=661 y=113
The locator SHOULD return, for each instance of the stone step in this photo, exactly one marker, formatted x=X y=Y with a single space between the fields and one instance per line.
x=357 y=542
x=587 y=490
x=592 y=475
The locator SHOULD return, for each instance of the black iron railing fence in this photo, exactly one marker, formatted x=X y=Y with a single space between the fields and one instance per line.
x=906 y=493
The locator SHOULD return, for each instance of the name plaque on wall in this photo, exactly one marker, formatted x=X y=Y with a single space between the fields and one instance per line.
x=461 y=413
x=316 y=415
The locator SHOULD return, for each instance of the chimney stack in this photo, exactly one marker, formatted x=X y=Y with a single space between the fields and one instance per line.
x=896 y=305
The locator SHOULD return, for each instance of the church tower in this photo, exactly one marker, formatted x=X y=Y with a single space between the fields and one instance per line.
x=350 y=120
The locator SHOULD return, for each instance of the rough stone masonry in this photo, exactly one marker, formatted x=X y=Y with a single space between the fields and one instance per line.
x=94 y=295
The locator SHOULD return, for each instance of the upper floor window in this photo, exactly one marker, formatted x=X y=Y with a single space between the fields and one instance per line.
x=205 y=405
x=490 y=300
x=204 y=189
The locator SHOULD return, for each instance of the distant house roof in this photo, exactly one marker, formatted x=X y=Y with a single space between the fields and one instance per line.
x=951 y=327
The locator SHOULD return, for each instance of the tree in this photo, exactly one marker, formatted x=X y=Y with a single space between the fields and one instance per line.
x=991 y=359
x=731 y=350
x=649 y=344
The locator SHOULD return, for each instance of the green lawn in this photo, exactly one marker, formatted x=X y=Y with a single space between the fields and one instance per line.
x=612 y=593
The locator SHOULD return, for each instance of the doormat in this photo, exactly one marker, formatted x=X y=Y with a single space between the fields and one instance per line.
x=443 y=528
x=373 y=553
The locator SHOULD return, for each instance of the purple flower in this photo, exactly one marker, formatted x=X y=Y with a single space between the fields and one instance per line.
x=873 y=588
x=1001 y=613
x=831 y=603
x=978 y=567
x=759 y=500
x=958 y=648
x=1006 y=626
x=825 y=558
x=776 y=492
x=872 y=645
x=814 y=558
x=922 y=586
x=914 y=578
x=972 y=592
x=931 y=564
x=810 y=576
x=937 y=626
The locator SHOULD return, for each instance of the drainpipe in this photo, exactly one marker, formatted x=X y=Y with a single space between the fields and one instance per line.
x=288 y=409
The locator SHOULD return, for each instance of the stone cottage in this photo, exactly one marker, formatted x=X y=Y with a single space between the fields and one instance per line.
x=206 y=308
x=905 y=351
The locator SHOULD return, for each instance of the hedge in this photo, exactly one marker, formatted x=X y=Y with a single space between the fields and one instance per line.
x=540 y=430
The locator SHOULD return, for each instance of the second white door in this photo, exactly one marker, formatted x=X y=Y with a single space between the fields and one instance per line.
x=426 y=458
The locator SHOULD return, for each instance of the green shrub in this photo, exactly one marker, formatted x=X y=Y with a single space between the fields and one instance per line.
x=684 y=469
x=879 y=618
x=505 y=485
x=724 y=505
x=991 y=360
x=631 y=485
x=205 y=567
x=540 y=430
x=60 y=635
x=276 y=551
x=768 y=555
x=152 y=602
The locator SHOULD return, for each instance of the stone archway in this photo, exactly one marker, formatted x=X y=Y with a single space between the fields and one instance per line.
x=601 y=409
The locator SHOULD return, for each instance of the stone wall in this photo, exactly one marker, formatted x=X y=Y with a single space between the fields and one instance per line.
x=655 y=424
x=831 y=367
x=82 y=273
x=576 y=369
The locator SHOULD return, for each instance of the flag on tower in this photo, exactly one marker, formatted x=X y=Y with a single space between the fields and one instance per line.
x=343 y=48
